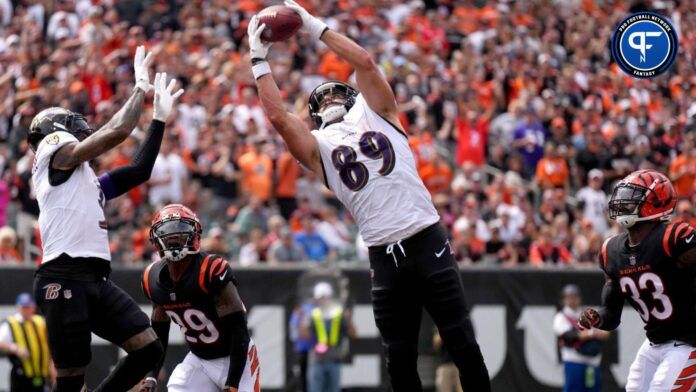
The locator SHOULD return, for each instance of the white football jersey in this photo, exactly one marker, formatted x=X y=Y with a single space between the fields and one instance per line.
x=71 y=217
x=368 y=163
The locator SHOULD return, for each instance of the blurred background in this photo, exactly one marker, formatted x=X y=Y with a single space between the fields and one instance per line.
x=518 y=118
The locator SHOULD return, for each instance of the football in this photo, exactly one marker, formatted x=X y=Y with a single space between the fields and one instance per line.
x=281 y=23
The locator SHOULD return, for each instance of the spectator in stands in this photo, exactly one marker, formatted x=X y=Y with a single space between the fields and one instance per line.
x=257 y=170
x=215 y=243
x=581 y=351
x=288 y=171
x=528 y=138
x=552 y=169
x=547 y=250
x=436 y=174
x=286 y=249
x=593 y=201
x=8 y=246
x=314 y=247
x=253 y=252
x=252 y=216
x=169 y=176
x=334 y=232
x=682 y=170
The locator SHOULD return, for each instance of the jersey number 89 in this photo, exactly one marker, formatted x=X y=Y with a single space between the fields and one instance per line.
x=354 y=174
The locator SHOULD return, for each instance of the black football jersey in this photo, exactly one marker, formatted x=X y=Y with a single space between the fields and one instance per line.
x=650 y=279
x=190 y=302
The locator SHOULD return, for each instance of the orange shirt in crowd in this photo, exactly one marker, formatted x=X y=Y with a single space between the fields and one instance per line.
x=552 y=172
x=539 y=253
x=288 y=172
x=257 y=170
x=437 y=178
x=684 y=185
x=334 y=67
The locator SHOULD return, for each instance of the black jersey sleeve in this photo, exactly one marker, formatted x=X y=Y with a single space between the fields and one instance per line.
x=215 y=274
x=678 y=239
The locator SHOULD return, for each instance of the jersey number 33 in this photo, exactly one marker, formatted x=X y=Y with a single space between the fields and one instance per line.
x=354 y=174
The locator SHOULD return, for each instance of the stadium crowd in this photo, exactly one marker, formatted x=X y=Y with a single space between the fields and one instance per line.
x=519 y=120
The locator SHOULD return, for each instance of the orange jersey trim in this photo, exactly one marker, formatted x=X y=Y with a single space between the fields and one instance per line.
x=146 y=281
x=215 y=264
x=665 y=239
x=201 y=275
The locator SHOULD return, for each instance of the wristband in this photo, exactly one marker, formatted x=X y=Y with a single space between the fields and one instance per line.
x=260 y=69
x=143 y=85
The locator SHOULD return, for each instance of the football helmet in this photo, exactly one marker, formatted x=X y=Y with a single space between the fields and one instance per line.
x=176 y=232
x=644 y=195
x=330 y=101
x=57 y=119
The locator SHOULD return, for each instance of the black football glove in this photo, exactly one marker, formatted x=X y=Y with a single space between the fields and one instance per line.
x=589 y=319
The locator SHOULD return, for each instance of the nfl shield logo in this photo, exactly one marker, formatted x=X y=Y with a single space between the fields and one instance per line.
x=67 y=294
x=632 y=259
x=172 y=296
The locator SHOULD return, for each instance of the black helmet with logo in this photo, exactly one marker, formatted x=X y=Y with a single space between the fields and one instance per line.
x=57 y=119
x=335 y=92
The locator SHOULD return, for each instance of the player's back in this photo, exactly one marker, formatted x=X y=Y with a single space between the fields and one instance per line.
x=190 y=302
x=71 y=203
x=368 y=163
x=651 y=280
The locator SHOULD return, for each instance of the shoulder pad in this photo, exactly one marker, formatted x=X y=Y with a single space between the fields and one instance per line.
x=214 y=274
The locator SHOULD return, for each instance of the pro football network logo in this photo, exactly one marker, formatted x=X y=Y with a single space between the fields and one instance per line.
x=644 y=44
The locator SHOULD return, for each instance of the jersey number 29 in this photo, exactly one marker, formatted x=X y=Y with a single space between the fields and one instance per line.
x=354 y=174
x=195 y=320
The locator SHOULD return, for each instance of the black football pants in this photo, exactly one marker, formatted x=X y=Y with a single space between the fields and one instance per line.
x=415 y=273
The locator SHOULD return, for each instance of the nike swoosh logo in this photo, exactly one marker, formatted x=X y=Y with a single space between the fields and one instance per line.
x=223 y=275
x=447 y=244
x=680 y=344
x=688 y=240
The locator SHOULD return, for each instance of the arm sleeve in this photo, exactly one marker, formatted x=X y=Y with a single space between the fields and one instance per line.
x=118 y=181
x=161 y=329
x=236 y=324
x=612 y=306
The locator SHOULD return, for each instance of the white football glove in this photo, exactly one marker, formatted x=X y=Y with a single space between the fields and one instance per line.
x=258 y=48
x=141 y=66
x=311 y=25
x=164 y=99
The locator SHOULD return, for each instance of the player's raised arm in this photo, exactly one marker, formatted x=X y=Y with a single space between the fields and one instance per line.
x=608 y=317
x=231 y=311
x=122 y=179
x=302 y=145
x=371 y=83
x=117 y=129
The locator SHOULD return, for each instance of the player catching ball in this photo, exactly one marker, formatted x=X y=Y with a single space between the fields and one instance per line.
x=198 y=292
x=362 y=152
x=652 y=266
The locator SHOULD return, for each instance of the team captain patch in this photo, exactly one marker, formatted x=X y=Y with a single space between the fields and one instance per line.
x=53 y=139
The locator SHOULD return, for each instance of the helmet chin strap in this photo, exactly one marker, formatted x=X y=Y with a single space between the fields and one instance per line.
x=332 y=113
x=628 y=221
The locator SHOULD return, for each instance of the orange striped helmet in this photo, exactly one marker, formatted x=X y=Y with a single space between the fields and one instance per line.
x=644 y=195
x=176 y=232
